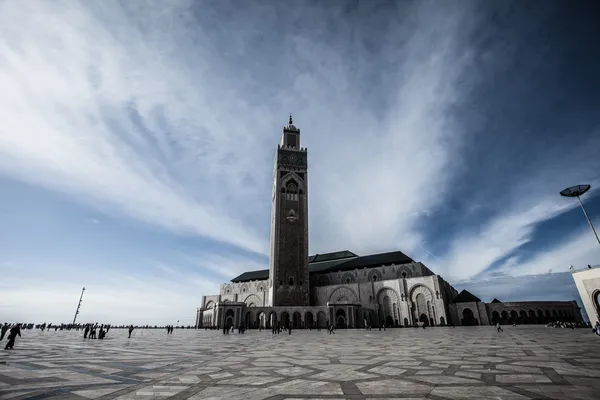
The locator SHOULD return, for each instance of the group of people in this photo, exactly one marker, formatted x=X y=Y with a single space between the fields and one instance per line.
x=13 y=331
x=91 y=330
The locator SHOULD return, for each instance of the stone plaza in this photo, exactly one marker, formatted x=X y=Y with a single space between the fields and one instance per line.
x=523 y=362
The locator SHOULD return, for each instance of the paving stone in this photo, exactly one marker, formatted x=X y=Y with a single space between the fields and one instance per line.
x=438 y=363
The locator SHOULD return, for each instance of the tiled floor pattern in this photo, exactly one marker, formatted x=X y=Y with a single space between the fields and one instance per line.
x=435 y=363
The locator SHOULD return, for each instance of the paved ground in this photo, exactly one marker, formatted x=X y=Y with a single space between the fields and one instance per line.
x=439 y=363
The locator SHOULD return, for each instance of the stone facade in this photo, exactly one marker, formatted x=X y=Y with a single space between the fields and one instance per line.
x=588 y=285
x=341 y=288
x=526 y=312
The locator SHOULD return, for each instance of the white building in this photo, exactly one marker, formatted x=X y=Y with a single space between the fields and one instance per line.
x=588 y=285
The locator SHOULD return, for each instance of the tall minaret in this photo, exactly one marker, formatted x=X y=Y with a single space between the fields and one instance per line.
x=288 y=270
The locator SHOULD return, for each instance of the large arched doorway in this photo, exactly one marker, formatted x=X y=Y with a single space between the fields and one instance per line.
x=405 y=321
x=272 y=320
x=229 y=315
x=468 y=318
x=523 y=317
x=504 y=317
x=442 y=321
x=367 y=318
x=424 y=319
x=540 y=316
x=309 y=320
x=514 y=316
x=532 y=319
x=596 y=300
x=297 y=320
x=261 y=320
x=340 y=318
x=495 y=317
x=285 y=320
x=248 y=322
x=389 y=321
x=321 y=320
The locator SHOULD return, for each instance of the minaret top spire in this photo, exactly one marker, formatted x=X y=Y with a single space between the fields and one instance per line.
x=290 y=127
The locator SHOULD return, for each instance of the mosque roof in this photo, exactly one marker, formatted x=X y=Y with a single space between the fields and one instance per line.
x=496 y=300
x=466 y=297
x=336 y=261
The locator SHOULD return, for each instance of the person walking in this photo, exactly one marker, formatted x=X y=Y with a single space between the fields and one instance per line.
x=498 y=327
x=5 y=328
x=14 y=331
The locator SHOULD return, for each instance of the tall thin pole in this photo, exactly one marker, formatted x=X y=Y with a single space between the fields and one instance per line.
x=588 y=220
x=78 y=306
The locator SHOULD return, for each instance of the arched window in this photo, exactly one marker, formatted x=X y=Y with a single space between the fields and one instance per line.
x=348 y=280
x=261 y=289
x=291 y=192
x=374 y=277
x=244 y=290
x=404 y=275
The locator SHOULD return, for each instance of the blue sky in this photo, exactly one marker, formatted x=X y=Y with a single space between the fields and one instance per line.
x=137 y=143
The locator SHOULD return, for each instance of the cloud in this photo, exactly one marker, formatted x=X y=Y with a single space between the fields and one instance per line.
x=121 y=127
x=579 y=250
x=91 y=107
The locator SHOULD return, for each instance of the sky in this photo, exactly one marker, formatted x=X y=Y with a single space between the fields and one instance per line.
x=137 y=142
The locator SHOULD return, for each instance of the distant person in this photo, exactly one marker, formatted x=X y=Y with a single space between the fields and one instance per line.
x=5 y=328
x=130 y=330
x=14 y=331
x=498 y=327
x=86 y=331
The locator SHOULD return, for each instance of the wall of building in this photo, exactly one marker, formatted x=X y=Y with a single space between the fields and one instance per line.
x=519 y=312
x=534 y=312
x=588 y=283
x=253 y=292
x=395 y=298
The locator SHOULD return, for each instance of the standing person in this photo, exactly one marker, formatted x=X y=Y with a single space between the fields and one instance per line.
x=290 y=328
x=4 y=330
x=130 y=330
x=86 y=331
x=498 y=327
x=14 y=331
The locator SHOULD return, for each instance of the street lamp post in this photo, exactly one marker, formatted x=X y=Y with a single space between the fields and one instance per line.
x=78 y=306
x=576 y=191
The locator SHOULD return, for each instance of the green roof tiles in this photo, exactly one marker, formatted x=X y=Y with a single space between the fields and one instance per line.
x=337 y=261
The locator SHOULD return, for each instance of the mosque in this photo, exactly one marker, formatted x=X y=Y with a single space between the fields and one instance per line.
x=343 y=288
